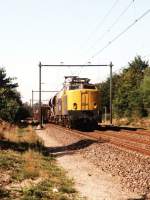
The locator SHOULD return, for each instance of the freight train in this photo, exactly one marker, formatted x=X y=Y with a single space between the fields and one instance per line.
x=45 y=111
x=77 y=104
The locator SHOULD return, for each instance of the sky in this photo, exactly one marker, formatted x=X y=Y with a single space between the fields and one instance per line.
x=72 y=32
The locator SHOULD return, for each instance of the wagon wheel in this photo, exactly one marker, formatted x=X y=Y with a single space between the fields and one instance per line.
x=70 y=124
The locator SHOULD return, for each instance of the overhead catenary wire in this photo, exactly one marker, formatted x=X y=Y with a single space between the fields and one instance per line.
x=99 y=24
x=113 y=24
x=120 y=34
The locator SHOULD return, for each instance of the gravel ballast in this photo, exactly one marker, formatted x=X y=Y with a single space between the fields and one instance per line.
x=132 y=168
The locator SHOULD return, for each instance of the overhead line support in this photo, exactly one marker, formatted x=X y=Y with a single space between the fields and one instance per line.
x=111 y=65
x=74 y=65
x=40 y=108
x=62 y=65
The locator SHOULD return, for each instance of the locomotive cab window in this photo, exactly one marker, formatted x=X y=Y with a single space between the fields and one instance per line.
x=89 y=87
x=73 y=87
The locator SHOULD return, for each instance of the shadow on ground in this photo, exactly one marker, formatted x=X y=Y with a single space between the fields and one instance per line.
x=22 y=146
x=38 y=147
x=144 y=197
x=107 y=128
x=117 y=128
x=71 y=148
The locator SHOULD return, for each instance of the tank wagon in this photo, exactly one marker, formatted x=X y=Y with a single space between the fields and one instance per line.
x=77 y=104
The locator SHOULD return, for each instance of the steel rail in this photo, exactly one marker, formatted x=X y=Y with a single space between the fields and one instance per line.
x=118 y=142
x=124 y=137
x=83 y=135
x=143 y=132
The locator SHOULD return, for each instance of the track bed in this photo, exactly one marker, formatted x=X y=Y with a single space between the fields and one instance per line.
x=111 y=152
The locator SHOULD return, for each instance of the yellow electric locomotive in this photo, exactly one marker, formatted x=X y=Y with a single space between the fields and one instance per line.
x=77 y=104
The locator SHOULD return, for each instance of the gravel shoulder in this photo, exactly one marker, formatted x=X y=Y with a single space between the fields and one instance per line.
x=92 y=180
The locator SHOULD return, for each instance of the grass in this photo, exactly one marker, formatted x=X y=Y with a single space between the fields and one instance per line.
x=26 y=170
x=21 y=140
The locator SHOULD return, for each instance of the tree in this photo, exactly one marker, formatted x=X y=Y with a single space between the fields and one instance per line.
x=128 y=98
x=104 y=88
x=10 y=100
x=23 y=112
x=145 y=89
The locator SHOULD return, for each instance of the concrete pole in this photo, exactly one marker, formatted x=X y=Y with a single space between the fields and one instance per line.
x=40 y=109
x=32 y=107
x=105 y=114
x=111 y=65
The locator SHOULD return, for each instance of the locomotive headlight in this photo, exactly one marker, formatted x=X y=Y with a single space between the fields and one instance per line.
x=75 y=106
x=95 y=105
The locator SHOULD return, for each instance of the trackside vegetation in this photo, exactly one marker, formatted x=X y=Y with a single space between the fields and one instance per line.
x=27 y=171
x=131 y=94
x=131 y=91
x=11 y=107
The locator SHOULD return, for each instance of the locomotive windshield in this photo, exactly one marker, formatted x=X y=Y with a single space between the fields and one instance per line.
x=74 y=87
x=89 y=87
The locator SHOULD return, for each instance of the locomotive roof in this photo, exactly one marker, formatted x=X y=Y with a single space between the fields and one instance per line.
x=76 y=79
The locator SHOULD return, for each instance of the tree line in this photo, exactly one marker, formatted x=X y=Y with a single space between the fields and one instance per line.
x=11 y=107
x=131 y=90
x=131 y=93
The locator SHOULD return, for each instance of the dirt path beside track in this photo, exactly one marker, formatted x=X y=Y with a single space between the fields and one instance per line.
x=90 y=181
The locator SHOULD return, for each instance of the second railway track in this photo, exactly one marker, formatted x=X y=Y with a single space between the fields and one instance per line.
x=119 y=139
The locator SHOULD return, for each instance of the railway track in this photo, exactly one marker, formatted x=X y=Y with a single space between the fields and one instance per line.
x=130 y=138
x=125 y=142
x=142 y=132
